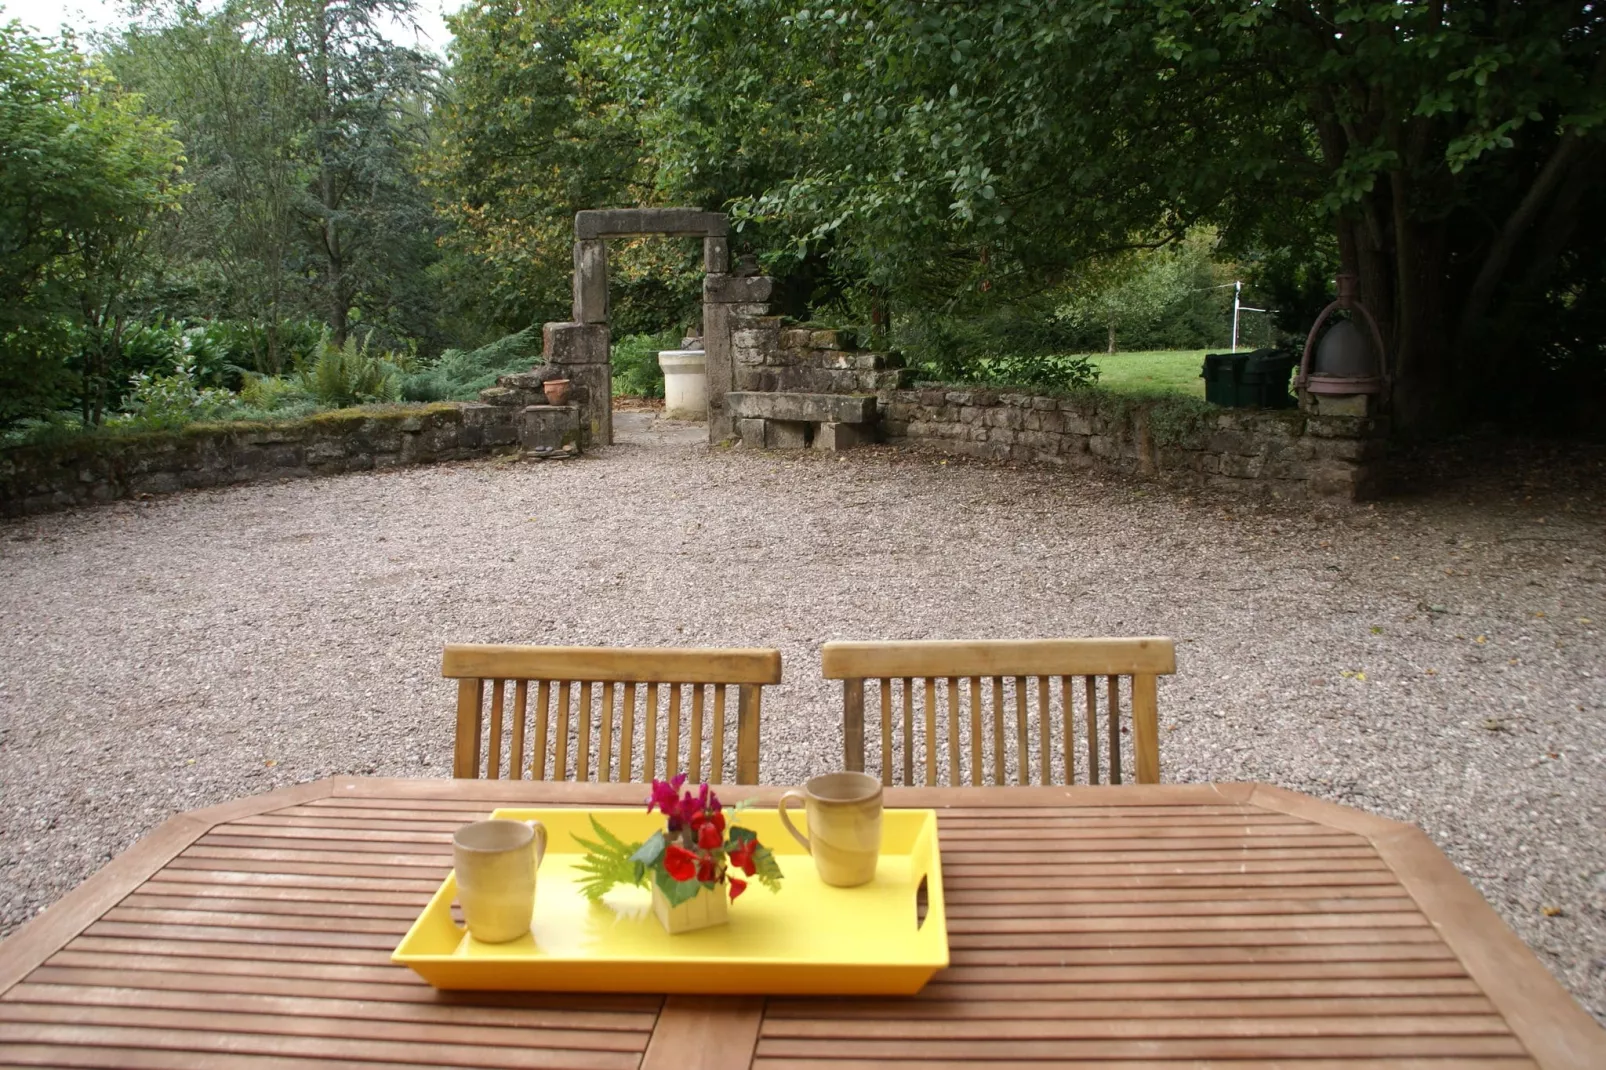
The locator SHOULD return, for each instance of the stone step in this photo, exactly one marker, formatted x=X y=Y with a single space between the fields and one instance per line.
x=803 y=408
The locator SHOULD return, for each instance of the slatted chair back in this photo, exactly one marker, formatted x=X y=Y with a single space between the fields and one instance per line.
x=604 y=685
x=988 y=677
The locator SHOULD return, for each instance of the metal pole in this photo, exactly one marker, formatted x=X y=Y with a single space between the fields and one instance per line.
x=1237 y=291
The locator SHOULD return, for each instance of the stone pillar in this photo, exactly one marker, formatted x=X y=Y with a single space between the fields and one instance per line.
x=579 y=351
x=716 y=256
x=591 y=281
x=724 y=297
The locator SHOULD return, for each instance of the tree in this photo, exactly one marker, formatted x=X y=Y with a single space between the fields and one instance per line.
x=307 y=127
x=946 y=147
x=84 y=177
x=234 y=104
x=529 y=132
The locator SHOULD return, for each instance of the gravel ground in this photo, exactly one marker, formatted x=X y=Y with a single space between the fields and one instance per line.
x=1435 y=658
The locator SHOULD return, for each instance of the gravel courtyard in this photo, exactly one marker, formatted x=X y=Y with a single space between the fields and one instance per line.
x=1436 y=658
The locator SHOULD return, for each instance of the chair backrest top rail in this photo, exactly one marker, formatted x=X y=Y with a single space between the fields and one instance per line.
x=999 y=657
x=663 y=665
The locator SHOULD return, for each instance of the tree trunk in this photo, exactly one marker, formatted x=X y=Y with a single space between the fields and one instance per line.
x=1111 y=349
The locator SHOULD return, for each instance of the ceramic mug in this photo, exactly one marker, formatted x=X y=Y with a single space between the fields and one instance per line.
x=844 y=812
x=496 y=863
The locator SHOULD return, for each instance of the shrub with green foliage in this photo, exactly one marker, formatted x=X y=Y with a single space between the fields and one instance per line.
x=1013 y=345
x=174 y=400
x=459 y=375
x=635 y=364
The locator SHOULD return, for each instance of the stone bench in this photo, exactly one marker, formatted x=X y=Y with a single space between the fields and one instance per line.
x=797 y=421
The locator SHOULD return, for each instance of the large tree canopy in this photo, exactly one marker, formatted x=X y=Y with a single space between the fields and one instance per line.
x=945 y=147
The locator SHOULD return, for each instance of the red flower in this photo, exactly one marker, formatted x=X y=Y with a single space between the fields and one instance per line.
x=705 y=870
x=742 y=857
x=709 y=837
x=680 y=863
x=738 y=886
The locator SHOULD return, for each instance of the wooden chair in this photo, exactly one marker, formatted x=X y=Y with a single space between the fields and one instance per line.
x=1008 y=665
x=612 y=673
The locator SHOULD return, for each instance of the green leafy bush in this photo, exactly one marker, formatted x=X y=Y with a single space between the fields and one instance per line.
x=635 y=363
x=350 y=374
x=459 y=375
x=174 y=400
x=1021 y=344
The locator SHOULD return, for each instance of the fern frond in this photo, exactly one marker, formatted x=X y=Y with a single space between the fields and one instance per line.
x=607 y=862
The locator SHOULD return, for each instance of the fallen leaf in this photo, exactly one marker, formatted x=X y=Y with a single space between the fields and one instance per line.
x=1376 y=630
x=270 y=762
x=1481 y=639
x=1433 y=672
x=1539 y=614
x=1553 y=912
x=1492 y=725
x=1585 y=620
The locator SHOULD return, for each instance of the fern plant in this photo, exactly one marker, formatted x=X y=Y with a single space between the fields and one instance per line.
x=349 y=374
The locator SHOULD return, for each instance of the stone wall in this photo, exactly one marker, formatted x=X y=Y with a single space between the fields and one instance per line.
x=774 y=357
x=1244 y=451
x=108 y=466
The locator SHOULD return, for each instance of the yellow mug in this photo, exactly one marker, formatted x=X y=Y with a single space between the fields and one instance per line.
x=496 y=864
x=844 y=815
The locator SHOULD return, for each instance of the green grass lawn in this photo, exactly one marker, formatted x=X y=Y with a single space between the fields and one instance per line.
x=1169 y=372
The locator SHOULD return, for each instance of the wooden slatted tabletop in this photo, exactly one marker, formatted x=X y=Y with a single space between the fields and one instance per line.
x=1200 y=925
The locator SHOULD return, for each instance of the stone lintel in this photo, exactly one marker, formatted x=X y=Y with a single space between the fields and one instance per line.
x=803 y=408
x=630 y=222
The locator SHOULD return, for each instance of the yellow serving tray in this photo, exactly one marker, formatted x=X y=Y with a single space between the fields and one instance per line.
x=807 y=939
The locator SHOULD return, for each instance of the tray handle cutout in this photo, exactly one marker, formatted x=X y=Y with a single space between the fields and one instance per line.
x=922 y=904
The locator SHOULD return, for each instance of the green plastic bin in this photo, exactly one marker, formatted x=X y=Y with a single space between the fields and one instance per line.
x=1253 y=380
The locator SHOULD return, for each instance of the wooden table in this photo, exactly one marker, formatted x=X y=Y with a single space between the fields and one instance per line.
x=1236 y=924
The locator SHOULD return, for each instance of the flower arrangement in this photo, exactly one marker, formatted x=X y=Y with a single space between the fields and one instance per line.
x=698 y=850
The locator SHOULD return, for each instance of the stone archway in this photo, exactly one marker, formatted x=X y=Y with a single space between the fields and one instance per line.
x=580 y=348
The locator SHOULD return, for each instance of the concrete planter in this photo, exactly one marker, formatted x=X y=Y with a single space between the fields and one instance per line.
x=685 y=383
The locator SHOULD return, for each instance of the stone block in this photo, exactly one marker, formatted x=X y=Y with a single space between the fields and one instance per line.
x=499 y=395
x=1356 y=405
x=575 y=343
x=755 y=338
x=750 y=354
x=833 y=339
x=545 y=429
x=716 y=255
x=591 y=281
x=756 y=379
x=785 y=434
x=796 y=337
x=1334 y=481
x=733 y=289
x=751 y=432
x=630 y=222
x=1241 y=467
x=811 y=408
x=834 y=436
x=1341 y=427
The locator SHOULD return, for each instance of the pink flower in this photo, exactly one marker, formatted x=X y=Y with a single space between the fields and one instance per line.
x=666 y=800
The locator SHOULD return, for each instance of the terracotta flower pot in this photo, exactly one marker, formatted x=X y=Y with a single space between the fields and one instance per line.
x=557 y=391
